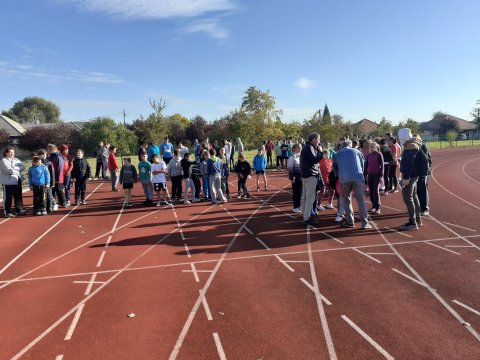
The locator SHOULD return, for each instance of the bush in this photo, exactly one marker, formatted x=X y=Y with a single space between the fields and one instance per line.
x=38 y=137
x=451 y=136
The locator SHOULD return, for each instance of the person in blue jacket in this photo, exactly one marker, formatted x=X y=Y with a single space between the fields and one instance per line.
x=260 y=164
x=38 y=181
x=152 y=149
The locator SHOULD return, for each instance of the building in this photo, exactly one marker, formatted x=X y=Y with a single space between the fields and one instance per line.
x=366 y=127
x=434 y=127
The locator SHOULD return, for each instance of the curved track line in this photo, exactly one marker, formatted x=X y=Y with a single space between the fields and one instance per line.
x=465 y=173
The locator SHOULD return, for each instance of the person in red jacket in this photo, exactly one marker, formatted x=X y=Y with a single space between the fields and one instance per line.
x=113 y=167
x=269 y=146
x=326 y=165
x=67 y=171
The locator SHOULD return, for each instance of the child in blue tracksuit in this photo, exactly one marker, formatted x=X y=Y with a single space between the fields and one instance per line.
x=260 y=164
x=39 y=181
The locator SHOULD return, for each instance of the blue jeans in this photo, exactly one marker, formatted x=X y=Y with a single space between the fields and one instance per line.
x=67 y=183
x=206 y=187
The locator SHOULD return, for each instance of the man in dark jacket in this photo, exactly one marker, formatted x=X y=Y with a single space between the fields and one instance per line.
x=309 y=157
x=422 y=185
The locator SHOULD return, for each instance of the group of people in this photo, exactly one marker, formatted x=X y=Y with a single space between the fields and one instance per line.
x=357 y=166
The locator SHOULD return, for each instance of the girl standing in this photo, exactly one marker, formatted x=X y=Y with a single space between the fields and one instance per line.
x=128 y=176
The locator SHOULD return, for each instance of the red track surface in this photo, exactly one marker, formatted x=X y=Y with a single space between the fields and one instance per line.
x=245 y=280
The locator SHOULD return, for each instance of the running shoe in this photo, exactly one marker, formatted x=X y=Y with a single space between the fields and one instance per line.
x=9 y=215
x=347 y=225
x=367 y=226
x=425 y=213
x=339 y=218
x=84 y=202
x=320 y=208
x=329 y=206
x=297 y=210
x=409 y=226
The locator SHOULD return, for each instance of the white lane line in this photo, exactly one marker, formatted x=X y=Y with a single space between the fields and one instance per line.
x=365 y=254
x=307 y=284
x=59 y=357
x=193 y=312
x=187 y=250
x=441 y=247
x=331 y=237
x=387 y=207
x=409 y=277
x=318 y=297
x=248 y=229
x=398 y=232
x=218 y=344
x=466 y=307
x=477 y=261
x=206 y=307
x=465 y=173
x=378 y=253
x=197 y=271
x=43 y=235
x=194 y=271
x=175 y=214
x=74 y=323
x=283 y=212
x=459 y=246
x=100 y=259
x=262 y=243
x=461 y=227
x=90 y=284
x=368 y=338
x=284 y=263
x=108 y=240
x=297 y=261
x=114 y=227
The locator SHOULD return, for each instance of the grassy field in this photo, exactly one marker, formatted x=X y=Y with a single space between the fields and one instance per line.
x=454 y=144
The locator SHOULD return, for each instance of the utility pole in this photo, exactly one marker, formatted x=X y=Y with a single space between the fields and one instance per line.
x=124 y=115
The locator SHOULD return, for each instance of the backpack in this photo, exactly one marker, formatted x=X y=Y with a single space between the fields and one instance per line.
x=422 y=164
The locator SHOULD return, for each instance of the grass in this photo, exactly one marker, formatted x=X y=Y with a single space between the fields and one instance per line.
x=446 y=144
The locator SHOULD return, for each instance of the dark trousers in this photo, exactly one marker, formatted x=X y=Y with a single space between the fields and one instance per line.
x=39 y=198
x=177 y=187
x=59 y=193
x=196 y=183
x=386 y=177
x=374 y=186
x=232 y=162
x=422 y=192
x=50 y=200
x=98 y=168
x=67 y=182
x=393 y=181
x=242 y=185
x=269 y=159
x=225 y=189
x=278 y=161
x=297 y=192
x=167 y=160
x=12 y=192
x=80 y=189
x=410 y=198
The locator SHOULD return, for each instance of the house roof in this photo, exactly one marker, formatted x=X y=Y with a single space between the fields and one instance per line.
x=12 y=127
x=76 y=124
x=435 y=125
x=366 y=126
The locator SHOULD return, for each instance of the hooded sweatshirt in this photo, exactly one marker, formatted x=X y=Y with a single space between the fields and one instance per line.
x=410 y=150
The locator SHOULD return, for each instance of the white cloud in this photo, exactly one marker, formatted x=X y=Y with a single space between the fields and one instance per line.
x=305 y=84
x=59 y=74
x=153 y=9
x=211 y=27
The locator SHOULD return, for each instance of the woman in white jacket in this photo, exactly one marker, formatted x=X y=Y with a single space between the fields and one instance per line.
x=11 y=180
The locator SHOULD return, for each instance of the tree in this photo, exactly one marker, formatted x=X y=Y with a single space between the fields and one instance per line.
x=36 y=110
x=39 y=136
x=412 y=125
x=448 y=125
x=151 y=130
x=438 y=113
x=326 y=118
x=383 y=127
x=176 y=126
x=10 y=114
x=197 y=129
x=4 y=137
x=451 y=135
x=476 y=115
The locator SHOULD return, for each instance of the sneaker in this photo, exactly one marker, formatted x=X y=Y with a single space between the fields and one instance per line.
x=367 y=226
x=9 y=215
x=329 y=206
x=377 y=212
x=425 y=213
x=409 y=226
x=372 y=210
x=297 y=210
x=128 y=205
x=311 y=221
x=21 y=213
x=115 y=190
x=246 y=197
x=76 y=203
x=320 y=208
x=55 y=207
x=339 y=218
x=84 y=202
x=419 y=222
x=38 y=213
x=384 y=193
x=266 y=189
x=159 y=203
x=195 y=200
x=346 y=224
x=67 y=203
x=258 y=189
x=186 y=202
x=229 y=197
x=44 y=212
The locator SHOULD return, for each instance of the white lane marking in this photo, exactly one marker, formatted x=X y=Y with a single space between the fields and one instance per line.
x=284 y=263
x=466 y=307
x=262 y=243
x=187 y=250
x=409 y=277
x=108 y=240
x=441 y=247
x=365 y=254
x=43 y=235
x=248 y=230
x=368 y=338
x=100 y=260
x=465 y=173
x=398 y=232
x=318 y=298
x=194 y=271
x=307 y=284
x=197 y=271
x=297 y=261
x=459 y=246
x=206 y=307
x=331 y=237
x=74 y=323
x=229 y=259
x=387 y=207
x=114 y=227
x=193 y=312
x=378 y=253
x=90 y=284
x=218 y=344
x=175 y=213
x=461 y=227
x=59 y=357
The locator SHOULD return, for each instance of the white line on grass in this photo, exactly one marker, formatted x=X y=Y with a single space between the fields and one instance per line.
x=74 y=323
x=218 y=344
x=441 y=247
x=466 y=307
x=368 y=338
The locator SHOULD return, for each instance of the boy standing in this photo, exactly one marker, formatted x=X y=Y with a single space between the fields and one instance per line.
x=113 y=167
x=159 y=181
x=81 y=172
x=38 y=180
x=175 y=171
x=128 y=176
x=243 y=171
x=260 y=164
x=189 y=185
x=58 y=164
x=42 y=154
x=215 y=178
x=145 y=172
x=295 y=177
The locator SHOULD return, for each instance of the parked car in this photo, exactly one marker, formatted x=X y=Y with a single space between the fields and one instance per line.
x=462 y=137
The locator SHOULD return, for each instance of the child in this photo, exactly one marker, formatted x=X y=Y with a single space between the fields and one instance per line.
x=175 y=171
x=374 y=166
x=243 y=171
x=225 y=171
x=215 y=178
x=186 y=164
x=67 y=171
x=159 y=181
x=295 y=177
x=58 y=164
x=195 y=176
x=145 y=173
x=325 y=169
x=128 y=176
x=38 y=180
x=81 y=172
x=42 y=154
x=204 y=170
x=113 y=167
x=260 y=164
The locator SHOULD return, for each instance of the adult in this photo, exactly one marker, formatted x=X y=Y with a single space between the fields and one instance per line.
x=284 y=156
x=142 y=149
x=348 y=165
x=152 y=149
x=422 y=186
x=240 y=147
x=105 y=153
x=269 y=146
x=310 y=156
x=67 y=171
x=166 y=150
x=409 y=177
x=182 y=149
x=99 y=160
x=232 y=155
x=387 y=159
x=11 y=180
x=58 y=190
x=278 y=153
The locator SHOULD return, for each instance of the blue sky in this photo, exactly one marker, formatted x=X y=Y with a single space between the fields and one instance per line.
x=367 y=58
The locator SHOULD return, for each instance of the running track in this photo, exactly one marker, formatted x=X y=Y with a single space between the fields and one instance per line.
x=245 y=280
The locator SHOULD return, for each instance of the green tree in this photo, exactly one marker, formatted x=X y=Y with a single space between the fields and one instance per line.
x=476 y=115
x=383 y=127
x=326 y=118
x=10 y=114
x=150 y=130
x=448 y=125
x=36 y=110
x=451 y=135
x=176 y=127
x=413 y=125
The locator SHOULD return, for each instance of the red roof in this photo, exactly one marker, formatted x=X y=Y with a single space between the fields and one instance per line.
x=366 y=126
x=434 y=126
